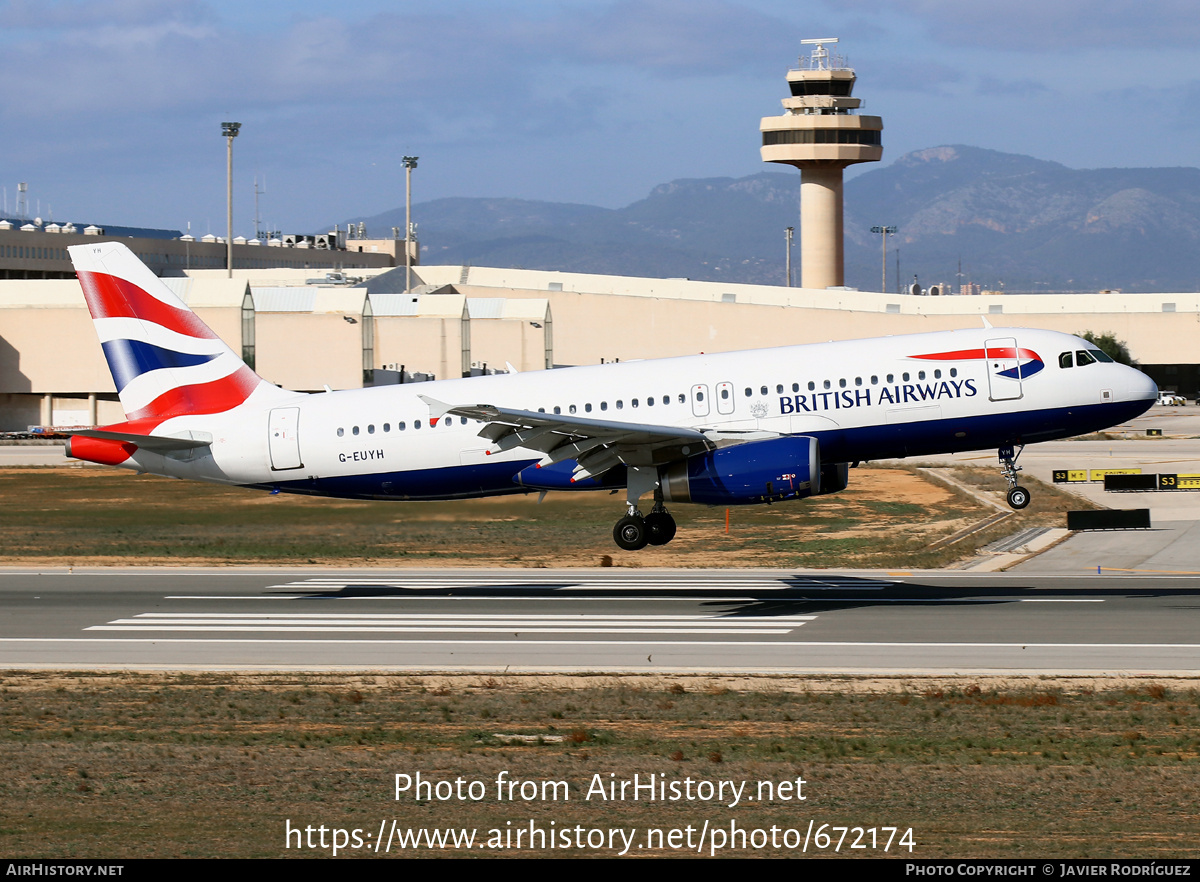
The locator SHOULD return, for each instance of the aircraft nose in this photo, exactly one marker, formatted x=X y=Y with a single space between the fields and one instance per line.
x=1141 y=387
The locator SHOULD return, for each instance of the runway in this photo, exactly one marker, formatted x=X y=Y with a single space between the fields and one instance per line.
x=601 y=620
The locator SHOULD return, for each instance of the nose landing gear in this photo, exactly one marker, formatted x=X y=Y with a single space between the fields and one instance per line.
x=1018 y=497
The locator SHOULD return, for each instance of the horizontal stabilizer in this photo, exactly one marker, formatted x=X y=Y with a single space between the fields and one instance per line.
x=156 y=443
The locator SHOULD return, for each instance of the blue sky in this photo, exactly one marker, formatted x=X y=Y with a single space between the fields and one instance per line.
x=111 y=109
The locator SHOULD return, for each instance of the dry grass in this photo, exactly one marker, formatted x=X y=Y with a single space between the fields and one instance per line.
x=92 y=516
x=140 y=765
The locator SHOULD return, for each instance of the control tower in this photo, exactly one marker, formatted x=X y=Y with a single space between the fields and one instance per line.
x=820 y=133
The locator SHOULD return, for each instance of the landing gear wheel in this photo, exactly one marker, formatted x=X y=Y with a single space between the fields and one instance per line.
x=631 y=533
x=1018 y=497
x=660 y=527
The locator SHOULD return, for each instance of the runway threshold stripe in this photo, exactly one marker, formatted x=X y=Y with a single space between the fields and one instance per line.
x=785 y=644
x=504 y=598
x=464 y=617
x=792 y=598
x=349 y=629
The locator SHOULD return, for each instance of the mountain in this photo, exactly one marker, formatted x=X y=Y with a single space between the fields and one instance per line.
x=1015 y=222
x=1030 y=224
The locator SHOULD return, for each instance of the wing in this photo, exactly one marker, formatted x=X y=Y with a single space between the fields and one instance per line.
x=596 y=445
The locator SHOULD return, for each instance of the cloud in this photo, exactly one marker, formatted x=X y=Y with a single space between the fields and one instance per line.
x=132 y=56
x=1040 y=26
x=1023 y=88
x=71 y=15
x=918 y=75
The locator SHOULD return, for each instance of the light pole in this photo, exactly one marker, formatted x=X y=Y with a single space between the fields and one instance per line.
x=885 y=231
x=788 y=237
x=410 y=162
x=230 y=131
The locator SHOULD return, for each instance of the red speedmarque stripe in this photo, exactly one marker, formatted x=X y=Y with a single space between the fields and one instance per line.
x=112 y=297
x=203 y=398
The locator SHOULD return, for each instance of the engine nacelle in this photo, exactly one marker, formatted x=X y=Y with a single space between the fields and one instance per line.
x=757 y=471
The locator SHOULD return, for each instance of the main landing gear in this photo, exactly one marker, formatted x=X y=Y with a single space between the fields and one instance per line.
x=635 y=531
x=1018 y=497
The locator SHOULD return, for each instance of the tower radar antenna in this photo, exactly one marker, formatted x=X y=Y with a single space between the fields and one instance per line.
x=819 y=59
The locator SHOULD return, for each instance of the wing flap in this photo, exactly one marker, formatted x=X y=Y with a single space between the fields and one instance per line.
x=598 y=445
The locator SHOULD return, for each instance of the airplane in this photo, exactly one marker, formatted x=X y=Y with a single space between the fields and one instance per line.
x=734 y=428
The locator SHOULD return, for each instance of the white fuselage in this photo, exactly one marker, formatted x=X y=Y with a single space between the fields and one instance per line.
x=863 y=399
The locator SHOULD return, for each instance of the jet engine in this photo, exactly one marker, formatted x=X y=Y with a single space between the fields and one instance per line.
x=757 y=471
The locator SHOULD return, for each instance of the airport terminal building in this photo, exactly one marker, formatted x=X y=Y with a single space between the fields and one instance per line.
x=459 y=321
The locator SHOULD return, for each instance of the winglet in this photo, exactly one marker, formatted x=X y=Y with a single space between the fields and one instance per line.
x=437 y=409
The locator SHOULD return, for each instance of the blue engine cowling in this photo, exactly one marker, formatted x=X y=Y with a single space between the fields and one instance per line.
x=757 y=471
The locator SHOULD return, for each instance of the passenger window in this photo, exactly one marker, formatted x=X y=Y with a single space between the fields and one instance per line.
x=557 y=409
x=416 y=424
x=354 y=430
x=891 y=378
x=682 y=399
x=1064 y=360
x=795 y=387
x=874 y=379
x=387 y=427
x=858 y=381
x=763 y=390
x=620 y=404
x=633 y=403
x=827 y=384
x=749 y=392
x=921 y=375
x=341 y=432
x=650 y=401
x=587 y=408
x=371 y=429
x=571 y=409
x=905 y=376
x=725 y=393
x=954 y=372
x=604 y=405
x=937 y=375
x=811 y=385
x=842 y=383
x=400 y=426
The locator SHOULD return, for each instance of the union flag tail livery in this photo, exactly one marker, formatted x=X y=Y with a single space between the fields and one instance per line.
x=719 y=429
x=165 y=362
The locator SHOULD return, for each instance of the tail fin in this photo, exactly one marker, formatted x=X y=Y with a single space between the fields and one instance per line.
x=164 y=361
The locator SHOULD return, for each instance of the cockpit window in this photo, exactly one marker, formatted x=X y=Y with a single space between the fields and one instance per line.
x=1100 y=355
x=1083 y=357
x=1065 y=361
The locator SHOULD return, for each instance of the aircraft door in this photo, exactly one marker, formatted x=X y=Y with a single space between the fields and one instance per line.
x=725 y=398
x=283 y=435
x=1003 y=360
x=700 y=404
